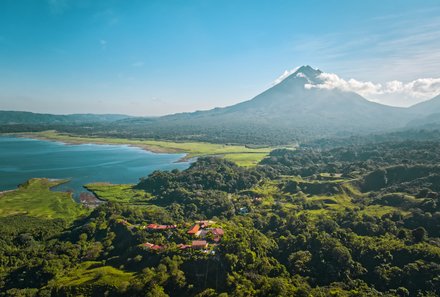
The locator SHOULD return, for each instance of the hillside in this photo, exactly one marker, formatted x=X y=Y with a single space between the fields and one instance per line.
x=428 y=114
x=291 y=104
x=23 y=117
x=427 y=107
x=358 y=220
x=288 y=112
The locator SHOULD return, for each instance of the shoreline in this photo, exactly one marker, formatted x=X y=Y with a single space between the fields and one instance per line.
x=188 y=150
x=7 y=191
x=78 y=140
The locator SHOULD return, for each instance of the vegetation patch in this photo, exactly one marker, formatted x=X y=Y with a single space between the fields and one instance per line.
x=118 y=193
x=92 y=272
x=280 y=230
x=240 y=154
x=34 y=198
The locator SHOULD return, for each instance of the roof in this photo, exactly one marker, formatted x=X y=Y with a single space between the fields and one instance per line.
x=194 y=229
x=160 y=227
x=153 y=246
x=218 y=231
x=183 y=246
x=199 y=243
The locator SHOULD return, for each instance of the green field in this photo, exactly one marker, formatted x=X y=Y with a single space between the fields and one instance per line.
x=34 y=198
x=94 y=273
x=238 y=153
x=322 y=205
x=118 y=193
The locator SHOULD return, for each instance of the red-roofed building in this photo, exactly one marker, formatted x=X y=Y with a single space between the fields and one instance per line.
x=183 y=246
x=160 y=227
x=218 y=231
x=153 y=246
x=194 y=229
x=199 y=244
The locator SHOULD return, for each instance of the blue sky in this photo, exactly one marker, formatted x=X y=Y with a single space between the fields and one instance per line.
x=159 y=57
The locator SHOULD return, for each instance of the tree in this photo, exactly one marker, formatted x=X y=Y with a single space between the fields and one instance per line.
x=156 y=291
x=419 y=234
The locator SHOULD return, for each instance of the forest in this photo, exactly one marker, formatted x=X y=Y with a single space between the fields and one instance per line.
x=358 y=219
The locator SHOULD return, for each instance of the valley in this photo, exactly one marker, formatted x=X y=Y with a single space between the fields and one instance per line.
x=219 y=148
x=304 y=218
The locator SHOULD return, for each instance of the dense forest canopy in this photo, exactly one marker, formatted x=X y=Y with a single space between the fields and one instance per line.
x=355 y=220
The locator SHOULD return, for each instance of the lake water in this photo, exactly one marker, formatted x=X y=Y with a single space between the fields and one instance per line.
x=24 y=158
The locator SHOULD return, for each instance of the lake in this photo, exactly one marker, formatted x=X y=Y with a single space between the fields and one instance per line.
x=24 y=158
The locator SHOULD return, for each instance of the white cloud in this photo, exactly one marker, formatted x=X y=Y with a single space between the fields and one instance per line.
x=394 y=92
x=333 y=81
x=285 y=74
x=402 y=46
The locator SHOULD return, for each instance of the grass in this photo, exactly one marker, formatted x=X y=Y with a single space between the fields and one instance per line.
x=240 y=154
x=246 y=159
x=34 y=198
x=267 y=191
x=380 y=210
x=327 y=204
x=118 y=193
x=91 y=272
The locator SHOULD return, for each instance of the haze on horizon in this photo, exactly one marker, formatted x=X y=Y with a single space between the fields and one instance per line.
x=156 y=57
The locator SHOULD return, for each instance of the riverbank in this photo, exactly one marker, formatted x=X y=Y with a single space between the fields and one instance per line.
x=242 y=155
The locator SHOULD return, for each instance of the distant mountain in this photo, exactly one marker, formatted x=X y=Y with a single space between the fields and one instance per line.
x=426 y=114
x=427 y=107
x=286 y=112
x=291 y=104
x=25 y=118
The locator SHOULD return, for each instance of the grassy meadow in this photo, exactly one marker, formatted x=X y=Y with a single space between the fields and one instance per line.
x=240 y=154
x=319 y=205
x=93 y=273
x=34 y=198
x=118 y=193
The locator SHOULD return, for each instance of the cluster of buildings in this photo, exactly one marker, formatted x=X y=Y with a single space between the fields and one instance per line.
x=202 y=232
x=201 y=229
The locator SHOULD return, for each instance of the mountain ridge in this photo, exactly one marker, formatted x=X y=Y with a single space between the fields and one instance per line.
x=287 y=112
x=27 y=117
